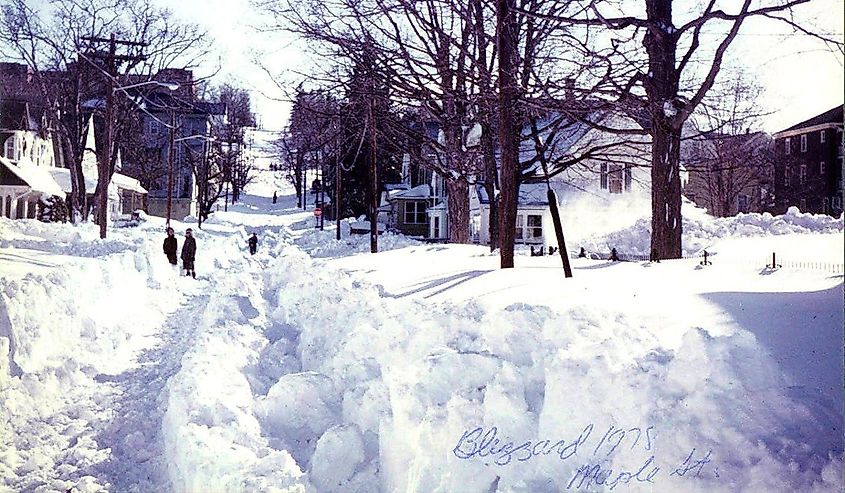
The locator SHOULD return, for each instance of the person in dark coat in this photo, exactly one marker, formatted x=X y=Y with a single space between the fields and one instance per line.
x=170 y=246
x=274 y=197
x=253 y=244
x=189 y=251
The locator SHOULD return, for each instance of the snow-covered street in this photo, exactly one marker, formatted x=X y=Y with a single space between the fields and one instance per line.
x=313 y=366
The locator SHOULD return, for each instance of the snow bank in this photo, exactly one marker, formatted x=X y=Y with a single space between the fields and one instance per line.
x=323 y=243
x=462 y=398
x=61 y=332
x=701 y=230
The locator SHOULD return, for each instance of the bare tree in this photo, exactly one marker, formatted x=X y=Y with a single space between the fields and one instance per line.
x=652 y=67
x=730 y=166
x=73 y=82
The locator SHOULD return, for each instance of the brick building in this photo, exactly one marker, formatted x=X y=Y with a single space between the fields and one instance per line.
x=809 y=165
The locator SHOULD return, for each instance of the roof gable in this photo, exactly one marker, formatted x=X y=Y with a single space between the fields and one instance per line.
x=834 y=115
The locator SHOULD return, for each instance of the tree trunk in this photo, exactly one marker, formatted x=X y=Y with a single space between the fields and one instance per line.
x=457 y=194
x=662 y=90
x=508 y=130
x=297 y=180
x=665 y=194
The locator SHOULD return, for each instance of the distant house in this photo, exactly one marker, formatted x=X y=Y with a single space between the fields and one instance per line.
x=193 y=121
x=809 y=165
x=28 y=145
x=730 y=174
x=26 y=160
x=582 y=155
x=406 y=210
x=533 y=219
x=125 y=194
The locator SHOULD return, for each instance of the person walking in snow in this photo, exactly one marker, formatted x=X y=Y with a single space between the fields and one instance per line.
x=170 y=246
x=189 y=250
x=253 y=244
x=274 y=197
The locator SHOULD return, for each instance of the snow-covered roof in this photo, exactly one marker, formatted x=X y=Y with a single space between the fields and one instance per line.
x=529 y=194
x=418 y=192
x=38 y=178
x=127 y=183
x=62 y=177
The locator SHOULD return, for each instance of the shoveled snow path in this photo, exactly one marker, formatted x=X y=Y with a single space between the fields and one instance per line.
x=137 y=462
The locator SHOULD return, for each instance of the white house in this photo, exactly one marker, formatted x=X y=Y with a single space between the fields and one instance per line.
x=125 y=193
x=533 y=219
x=602 y=162
x=27 y=157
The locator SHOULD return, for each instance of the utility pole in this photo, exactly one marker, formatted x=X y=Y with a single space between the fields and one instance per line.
x=373 y=179
x=104 y=163
x=337 y=190
x=170 y=151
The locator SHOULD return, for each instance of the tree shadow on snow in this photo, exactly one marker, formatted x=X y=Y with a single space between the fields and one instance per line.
x=803 y=333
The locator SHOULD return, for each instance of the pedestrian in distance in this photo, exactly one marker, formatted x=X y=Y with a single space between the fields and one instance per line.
x=253 y=244
x=274 y=197
x=170 y=246
x=189 y=251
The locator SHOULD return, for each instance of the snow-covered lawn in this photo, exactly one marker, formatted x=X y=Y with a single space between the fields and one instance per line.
x=315 y=366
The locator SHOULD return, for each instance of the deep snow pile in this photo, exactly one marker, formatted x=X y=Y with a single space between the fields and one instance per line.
x=701 y=230
x=61 y=332
x=318 y=243
x=396 y=387
x=282 y=372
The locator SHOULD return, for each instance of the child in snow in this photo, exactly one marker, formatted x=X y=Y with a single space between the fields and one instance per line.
x=189 y=250
x=253 y=244
x=170 y=246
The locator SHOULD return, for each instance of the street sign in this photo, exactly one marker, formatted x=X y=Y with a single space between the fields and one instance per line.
x=318 y=212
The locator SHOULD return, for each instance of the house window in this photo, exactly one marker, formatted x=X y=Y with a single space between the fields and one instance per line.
x=519 y=229
x=786 y=176
x=9 y=148
x=604 y=177
x=803 y=174
x=821 y=168
x=628 y=178
x=837 y=204
x=534 y=228
x=787 y=145
x=804 y=143
x=803 y=205
x=821 y=136
x=825 y=205
x=415 y=212
x=186 y=186
x=742 y=203
x=615 y=179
